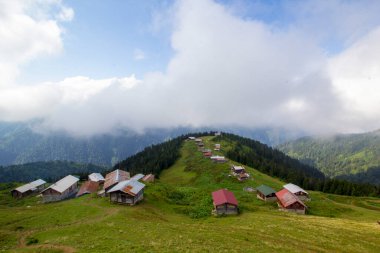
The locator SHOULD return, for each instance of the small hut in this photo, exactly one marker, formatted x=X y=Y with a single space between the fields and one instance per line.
x=65 y=188
x=148 y=178
x=217 y=147
x=218 y=159
x=298 y=191
x=289 y=202
x=266 y=193
x=138 y=177
x=114 y=178
x=224 y=202
x=28 y=189
x=127 y=192
x=96 y=177
x=88 y=187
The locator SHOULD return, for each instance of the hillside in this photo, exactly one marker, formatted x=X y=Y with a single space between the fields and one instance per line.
x=49 y=171
x=341 y=155
x=175 y=217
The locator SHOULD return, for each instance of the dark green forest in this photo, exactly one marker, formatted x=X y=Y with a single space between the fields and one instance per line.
x=48 y=171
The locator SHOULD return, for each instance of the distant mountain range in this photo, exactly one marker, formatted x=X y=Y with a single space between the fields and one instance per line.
x=353 y=156
x=19 y=144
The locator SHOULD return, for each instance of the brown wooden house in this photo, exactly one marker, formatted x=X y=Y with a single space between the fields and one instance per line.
x=148 y=178
x=127 y=192
x=114 y=178
x=266 y=193
x=88 y=187
x=289 y=202
x=224 y=202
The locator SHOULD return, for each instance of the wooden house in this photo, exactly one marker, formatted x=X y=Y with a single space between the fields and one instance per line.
x=266 y=193
x=148 y=178
x=96 y=177
x=224 y=202
x=289 y=202
x=28 y=189
x=114 y=178
x=191 y=138
x=218 y=159
x=217 y=147
x=239 y=172
x=88 y=187
x=298 y=191
x=127 y=192
x=207 y=154
x=198 y=140
x=65 y=188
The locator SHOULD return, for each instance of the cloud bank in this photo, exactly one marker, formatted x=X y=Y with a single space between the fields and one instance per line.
x=226 y=70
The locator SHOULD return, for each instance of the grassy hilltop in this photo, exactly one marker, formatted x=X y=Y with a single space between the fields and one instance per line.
x=175 y=217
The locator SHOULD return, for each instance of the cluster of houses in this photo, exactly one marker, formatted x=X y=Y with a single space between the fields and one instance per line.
x=207 y=152
x=290 y=199
x=118 y=185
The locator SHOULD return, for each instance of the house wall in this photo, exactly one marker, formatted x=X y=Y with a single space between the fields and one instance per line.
x=124 y=198
x=51 y=195
x=296 y=208
x=226 y=209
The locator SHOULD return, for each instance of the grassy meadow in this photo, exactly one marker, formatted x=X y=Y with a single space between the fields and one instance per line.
x=175 y=216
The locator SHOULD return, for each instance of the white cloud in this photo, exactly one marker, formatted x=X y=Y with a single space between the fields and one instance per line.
x=225 y=71
x=26 y=32
x=138 y=54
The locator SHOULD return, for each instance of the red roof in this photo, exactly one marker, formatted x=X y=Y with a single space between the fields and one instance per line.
x=287 y=198
x=88 y=187
x=115 y=177
x=224 y=196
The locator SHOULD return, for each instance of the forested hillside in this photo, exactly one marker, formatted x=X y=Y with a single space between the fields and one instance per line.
x=49 y=171
x=341 y=155
x=275 y=163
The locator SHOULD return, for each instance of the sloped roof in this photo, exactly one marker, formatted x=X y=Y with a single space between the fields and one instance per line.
x=137 y=177
x=131 y=187
x=294 y=188
x=30 y=186
x=237 y=168
x=63 y=184
x=224 y=196
x=96 y=177
x=287 y=198
x=88 y=187
x=266 y=190
x=217 y=157
x=115 y=176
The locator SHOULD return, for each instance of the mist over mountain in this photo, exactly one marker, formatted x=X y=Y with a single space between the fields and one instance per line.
x=20 y=143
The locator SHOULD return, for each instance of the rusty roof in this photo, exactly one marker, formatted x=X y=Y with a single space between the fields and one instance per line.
x=224 y=196
x=131 y=187
x=88 y=187
x=115 y=177
x=287 y=198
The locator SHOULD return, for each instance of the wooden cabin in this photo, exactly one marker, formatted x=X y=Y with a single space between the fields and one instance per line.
x=114 y=178
x=289 y=202
x=28 y=189
x=266 y=193
x=224 y=202
x=148 y=178
x=239 y=172
x=218 y=159
x=96 y=177
x=65 y=188
x=298 y=191
x=127 y=192
x=88 y=187
x=207 y=154
x=217 y=147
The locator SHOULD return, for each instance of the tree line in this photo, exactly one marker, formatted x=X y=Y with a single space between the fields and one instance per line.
x=276 y=164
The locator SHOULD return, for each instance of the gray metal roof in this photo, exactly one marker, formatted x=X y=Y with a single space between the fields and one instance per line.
x=294 y=188
x=30 y=186
x=128 y=186
x=63 y=184
x=96 y=177
x=137 y=177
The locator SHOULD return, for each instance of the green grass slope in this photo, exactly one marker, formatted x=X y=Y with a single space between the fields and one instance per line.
x=338 y=155
x=175 y=217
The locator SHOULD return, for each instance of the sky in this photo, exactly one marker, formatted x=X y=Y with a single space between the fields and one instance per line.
x=89 y=67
